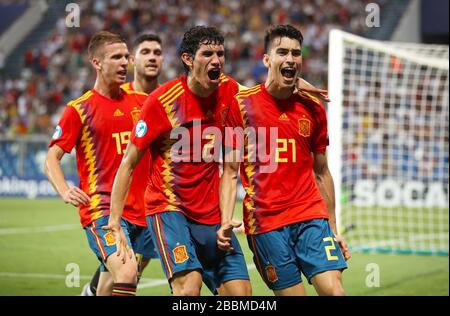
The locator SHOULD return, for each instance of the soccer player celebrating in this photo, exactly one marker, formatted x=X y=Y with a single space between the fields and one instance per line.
x=99 y=125
x=289 y=210
x=147 y=58
x=182 y=196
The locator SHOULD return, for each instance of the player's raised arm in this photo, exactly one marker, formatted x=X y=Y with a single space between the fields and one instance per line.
x=55 y=175
x=305 y=86
x=121 y=186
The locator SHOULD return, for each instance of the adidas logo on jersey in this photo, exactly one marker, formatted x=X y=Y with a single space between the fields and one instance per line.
x=118 y=112
x=283 y=117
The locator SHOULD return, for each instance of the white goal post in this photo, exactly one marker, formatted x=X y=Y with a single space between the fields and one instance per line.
x=389 y=133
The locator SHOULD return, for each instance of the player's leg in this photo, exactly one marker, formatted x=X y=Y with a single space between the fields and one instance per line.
x=320 y=257
x=103 y=288
x=295 y=290
x=223 y=273
x=171 y=235
x=143 y=247
x=123 y=274
x=94 y=281
x=276 y=262
x=232 y=274
x=105 y=284
x=328 y=283
x=144 y=264
x=101 y=244
x=235 y=288
x=90 y=288
x=187 y=283
x=86 y=291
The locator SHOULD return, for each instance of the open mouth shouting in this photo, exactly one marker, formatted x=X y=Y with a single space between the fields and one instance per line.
x=214 y=74
x=288 y=73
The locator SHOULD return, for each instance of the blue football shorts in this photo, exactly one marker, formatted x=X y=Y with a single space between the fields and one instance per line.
x=102 y=242
x=284 y=254
x=185 y=245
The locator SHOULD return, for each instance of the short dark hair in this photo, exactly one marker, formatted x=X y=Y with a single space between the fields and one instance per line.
x=281 y=31
x=146 y=37
x=102 y=38
x=196 y=36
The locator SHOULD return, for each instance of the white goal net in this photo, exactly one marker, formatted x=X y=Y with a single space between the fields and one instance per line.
x=389 y=135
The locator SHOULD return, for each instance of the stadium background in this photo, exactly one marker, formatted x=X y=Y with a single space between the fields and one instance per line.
x=43 y=65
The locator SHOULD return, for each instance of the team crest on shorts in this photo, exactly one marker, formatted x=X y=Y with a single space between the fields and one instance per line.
x=271 y=273
x=180 y=254
x=109 y=238
x=304 y=127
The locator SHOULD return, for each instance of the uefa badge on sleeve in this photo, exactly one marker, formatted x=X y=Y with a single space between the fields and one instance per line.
x=141 y=129
x=58 y=132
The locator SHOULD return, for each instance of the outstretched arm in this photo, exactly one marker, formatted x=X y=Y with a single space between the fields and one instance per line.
x=325 y=184
x=303 y=85
x=55 y=174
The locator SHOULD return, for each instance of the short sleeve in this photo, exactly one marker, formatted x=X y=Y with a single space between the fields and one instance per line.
x=320 y=139
x=68 y=130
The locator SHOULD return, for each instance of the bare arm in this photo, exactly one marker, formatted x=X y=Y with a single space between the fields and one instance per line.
x=303 y=85
x=122 y=181
x=227 y=195
x=121 y=186
x=325 y=184
x=55 y=174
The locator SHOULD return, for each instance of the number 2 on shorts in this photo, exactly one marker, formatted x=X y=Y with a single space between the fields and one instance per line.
x=329 y=248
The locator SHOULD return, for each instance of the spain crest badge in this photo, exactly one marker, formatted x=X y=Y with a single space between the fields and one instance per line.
x=304 y=127
x=109 y=238
x=180 y=254
x=271 y=273
x=135 y=115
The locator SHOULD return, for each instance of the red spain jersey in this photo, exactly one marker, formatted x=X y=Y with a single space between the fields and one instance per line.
x=189 y=183
x=99 y=128
x=287 y=194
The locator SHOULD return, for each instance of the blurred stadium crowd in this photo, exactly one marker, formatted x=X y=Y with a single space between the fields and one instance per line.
x=58 y=70
x=406 y=139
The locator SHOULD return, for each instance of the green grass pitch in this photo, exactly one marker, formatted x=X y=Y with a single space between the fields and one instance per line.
x=39 y=239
